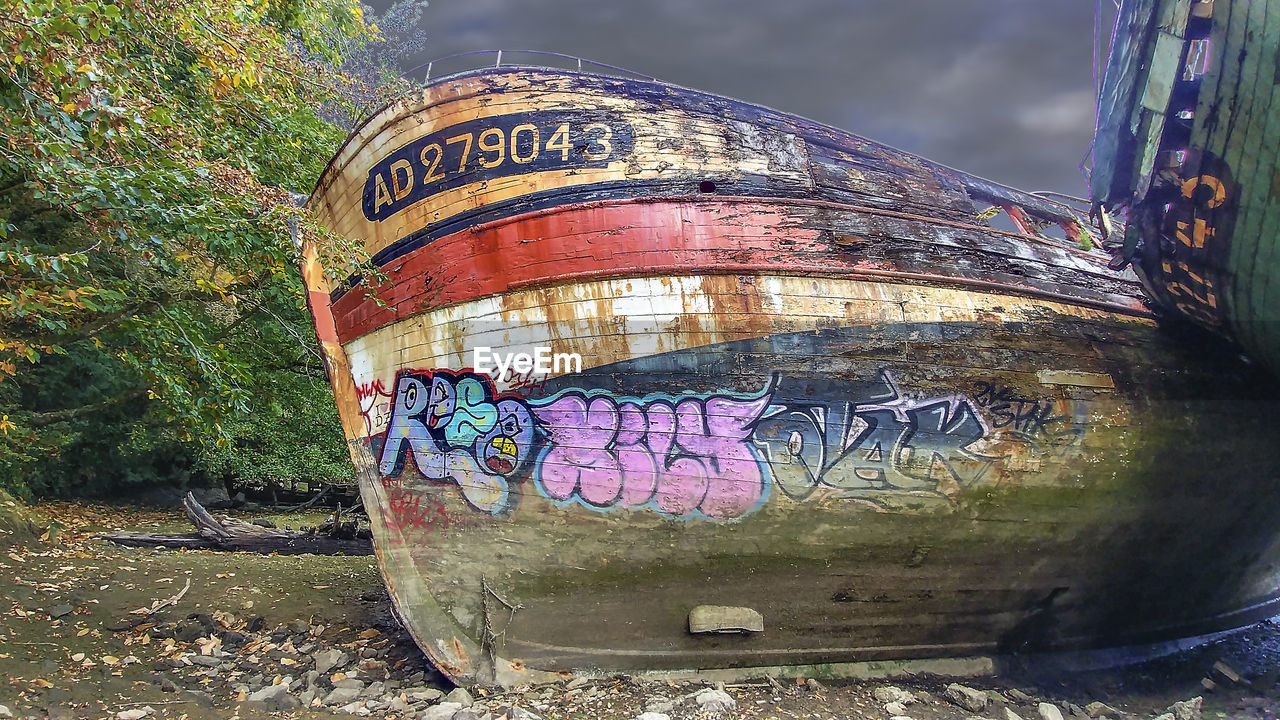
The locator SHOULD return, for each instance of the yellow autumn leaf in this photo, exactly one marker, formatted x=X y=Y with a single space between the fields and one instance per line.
x=86 y=67
x=69 y=108
x=77 y=657
x=110 y=660
x=83 y=632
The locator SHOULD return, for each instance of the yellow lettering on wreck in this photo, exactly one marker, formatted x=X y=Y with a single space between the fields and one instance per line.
x=401 y=188
x=380 y=194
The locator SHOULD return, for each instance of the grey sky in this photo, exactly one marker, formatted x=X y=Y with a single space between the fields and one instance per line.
x=998 y=88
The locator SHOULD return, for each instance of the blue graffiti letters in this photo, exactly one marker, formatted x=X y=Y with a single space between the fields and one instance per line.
x=455 y=431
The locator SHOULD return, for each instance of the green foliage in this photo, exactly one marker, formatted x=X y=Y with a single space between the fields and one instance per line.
x=290 y=435
x=151 y=314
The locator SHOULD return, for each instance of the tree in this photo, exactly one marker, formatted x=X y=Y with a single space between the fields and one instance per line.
x=150 y=309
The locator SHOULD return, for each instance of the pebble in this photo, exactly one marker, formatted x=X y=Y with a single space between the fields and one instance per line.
x=895 y=708
x=1049 y=711
x=274 y=697
x=967 y=697
x=1187 y=709
x=1011 y=715
x=342 y=695
x=443 y=711
x=653 y=716
x=1095 y=709
x=374 y=689
x=892 y=694
x=189 y=630
x=1019 y=696
x=58 y=611
x=355 y=708
x=423 y=694
x=715 y=702
x=135 y=713
x=460 y=697
x=659 y=706
x=5 y=712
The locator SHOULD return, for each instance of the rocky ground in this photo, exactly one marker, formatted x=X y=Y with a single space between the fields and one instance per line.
x=94 y=630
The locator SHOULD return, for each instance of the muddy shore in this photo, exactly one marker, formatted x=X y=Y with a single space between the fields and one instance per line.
x=92 y=630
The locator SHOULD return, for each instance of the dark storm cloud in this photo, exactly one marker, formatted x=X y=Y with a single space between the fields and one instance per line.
x=998 y=88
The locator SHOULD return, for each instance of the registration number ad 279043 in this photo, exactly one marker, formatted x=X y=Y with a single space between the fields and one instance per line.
x=490 y=148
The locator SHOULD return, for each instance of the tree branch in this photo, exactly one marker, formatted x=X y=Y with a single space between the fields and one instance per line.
x=50 y=417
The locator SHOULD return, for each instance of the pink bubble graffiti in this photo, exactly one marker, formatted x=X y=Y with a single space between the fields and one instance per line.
x=688 y=457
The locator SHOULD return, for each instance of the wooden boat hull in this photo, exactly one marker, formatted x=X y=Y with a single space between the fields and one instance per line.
x=1189 y=142
x=857 y=415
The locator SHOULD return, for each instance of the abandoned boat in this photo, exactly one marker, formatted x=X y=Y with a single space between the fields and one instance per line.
x=1188 y=141
x=812 y=408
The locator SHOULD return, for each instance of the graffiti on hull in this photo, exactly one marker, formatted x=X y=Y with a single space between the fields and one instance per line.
x=680 y=456
x=375 y=404
x=456 y=431
x=714 y=456
x=882 y=441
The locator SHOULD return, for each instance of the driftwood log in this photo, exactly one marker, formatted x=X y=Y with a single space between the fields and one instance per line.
x=224 y=533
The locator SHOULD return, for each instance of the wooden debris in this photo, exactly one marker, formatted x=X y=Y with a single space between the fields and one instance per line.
x=225 y=533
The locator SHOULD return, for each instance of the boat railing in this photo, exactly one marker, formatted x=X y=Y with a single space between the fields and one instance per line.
x=1045 y=214
x=475 y=60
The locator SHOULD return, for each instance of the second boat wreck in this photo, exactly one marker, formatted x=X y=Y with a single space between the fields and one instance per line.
x=824 y=412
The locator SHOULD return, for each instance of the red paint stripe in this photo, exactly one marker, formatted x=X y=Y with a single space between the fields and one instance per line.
x=587 y=242
x=321 y=312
